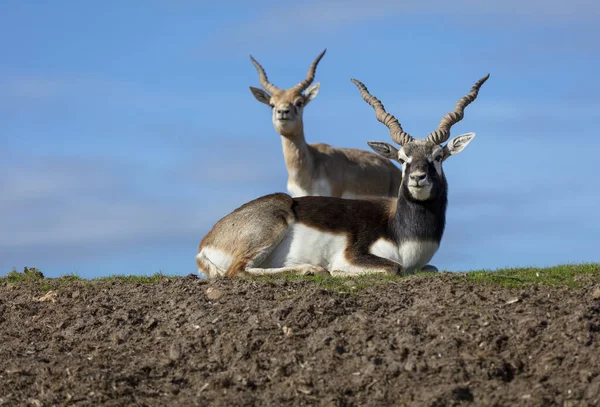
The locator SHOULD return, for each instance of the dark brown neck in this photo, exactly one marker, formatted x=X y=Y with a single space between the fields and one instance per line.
x=421 y=220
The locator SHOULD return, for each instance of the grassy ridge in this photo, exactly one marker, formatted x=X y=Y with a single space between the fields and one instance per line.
x=34 y=276
x=567 y=275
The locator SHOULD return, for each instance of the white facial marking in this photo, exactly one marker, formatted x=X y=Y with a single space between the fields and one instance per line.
x=412 y=254
x=437 y=152
x=217 y=260
x=420 y=189
x=283 y=126
x=403 y=157
x=420 y=193
x=438 y=167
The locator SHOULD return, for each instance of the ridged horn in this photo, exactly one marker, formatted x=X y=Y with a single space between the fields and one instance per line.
x=442 y=133
x=396 y=133
x=264 y=81
x=310 y=76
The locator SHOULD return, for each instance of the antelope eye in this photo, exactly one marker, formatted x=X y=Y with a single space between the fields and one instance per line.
x=299 y=103
x=272 y=105
x=438 y=158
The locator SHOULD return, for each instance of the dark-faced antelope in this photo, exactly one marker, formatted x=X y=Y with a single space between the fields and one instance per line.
x=319 y=169
x=314 y=235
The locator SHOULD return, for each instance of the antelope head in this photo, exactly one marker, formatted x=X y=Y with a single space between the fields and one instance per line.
x=421 y=159
x=287 y=104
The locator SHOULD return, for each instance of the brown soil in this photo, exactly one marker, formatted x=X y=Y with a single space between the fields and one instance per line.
x=420 y=341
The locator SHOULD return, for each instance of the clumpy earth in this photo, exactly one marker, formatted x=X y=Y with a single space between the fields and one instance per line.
x=417 y=341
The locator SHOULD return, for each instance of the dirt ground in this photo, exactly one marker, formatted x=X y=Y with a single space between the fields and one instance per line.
x=422 y=341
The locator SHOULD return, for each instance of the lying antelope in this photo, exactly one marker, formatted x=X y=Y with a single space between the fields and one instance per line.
x=317 y=235
x=319 y=169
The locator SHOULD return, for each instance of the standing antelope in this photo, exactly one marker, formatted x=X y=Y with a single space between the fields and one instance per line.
x=311 y=235
x=319 y=169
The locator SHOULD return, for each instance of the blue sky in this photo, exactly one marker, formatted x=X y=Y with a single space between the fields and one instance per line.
x=126 y=132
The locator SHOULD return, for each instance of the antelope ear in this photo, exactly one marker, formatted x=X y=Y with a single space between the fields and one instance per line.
x=261 y=95
x=311 y=92
x=384 y=149
x=457 y=144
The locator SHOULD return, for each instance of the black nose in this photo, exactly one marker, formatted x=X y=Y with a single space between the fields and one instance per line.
x=282 y=111
x=418 y=177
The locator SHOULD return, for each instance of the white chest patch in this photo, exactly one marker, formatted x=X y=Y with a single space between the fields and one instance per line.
x=412 y=254
x=295 y=191
x=317 y=188
x=321 y=187
x=305 y=245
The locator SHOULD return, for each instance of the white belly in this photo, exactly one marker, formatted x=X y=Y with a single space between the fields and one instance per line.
x=305 y=245
x=412 y=254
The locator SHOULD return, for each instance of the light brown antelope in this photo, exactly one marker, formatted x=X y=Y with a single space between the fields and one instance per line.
x=319 y=169
x=317 y=235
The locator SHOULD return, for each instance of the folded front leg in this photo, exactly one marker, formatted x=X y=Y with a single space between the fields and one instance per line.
x=365 y=263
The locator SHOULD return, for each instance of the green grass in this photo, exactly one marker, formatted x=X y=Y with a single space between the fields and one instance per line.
x=35 y=276
x=567 y=275
x=152 y=279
